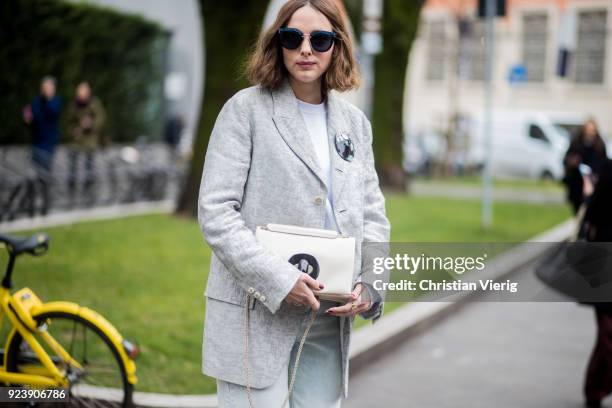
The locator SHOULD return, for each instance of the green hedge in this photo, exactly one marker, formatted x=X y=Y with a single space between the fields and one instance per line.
x=122 y=56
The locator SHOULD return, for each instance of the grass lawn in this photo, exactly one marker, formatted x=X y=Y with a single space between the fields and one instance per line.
x=147 y=274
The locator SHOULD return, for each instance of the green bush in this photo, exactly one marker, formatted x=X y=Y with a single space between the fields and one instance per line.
x=122 y=56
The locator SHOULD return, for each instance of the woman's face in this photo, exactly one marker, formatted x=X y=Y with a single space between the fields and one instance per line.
x=590 y=132
x=48 y=88
x=305 y=64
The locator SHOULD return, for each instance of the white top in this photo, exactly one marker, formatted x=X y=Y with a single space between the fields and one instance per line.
x=315 y=116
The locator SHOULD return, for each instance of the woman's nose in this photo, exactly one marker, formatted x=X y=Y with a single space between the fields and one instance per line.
x=305 y=47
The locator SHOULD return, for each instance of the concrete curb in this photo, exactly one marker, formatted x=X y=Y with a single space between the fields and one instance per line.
x=93 y=214
x=146 y=399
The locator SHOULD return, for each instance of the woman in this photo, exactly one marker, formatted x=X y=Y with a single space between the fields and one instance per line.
x=598 y=381
x=588 y=148
x=287 y=150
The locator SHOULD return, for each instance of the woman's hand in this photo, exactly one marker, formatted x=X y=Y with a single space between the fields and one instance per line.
x=302 y=292
x=573 y=160
x=354 y=306
x=587 y=186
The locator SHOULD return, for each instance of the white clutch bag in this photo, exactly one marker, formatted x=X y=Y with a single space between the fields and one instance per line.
x=325 y=255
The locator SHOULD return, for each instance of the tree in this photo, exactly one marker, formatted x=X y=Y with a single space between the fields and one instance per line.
x=399 y=26
x=230 y=27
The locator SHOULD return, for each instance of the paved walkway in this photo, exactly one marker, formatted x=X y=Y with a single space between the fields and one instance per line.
x=489 y=354
x=516 y=194
x=93 y=214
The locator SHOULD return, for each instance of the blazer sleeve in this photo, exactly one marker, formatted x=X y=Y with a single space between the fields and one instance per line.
x=376 y=226
x=225 y=172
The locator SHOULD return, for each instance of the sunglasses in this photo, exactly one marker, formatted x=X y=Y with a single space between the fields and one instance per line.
x=320 y=41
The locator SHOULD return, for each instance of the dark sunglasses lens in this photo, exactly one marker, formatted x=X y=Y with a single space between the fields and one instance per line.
x=290 y=39
x=321 y=41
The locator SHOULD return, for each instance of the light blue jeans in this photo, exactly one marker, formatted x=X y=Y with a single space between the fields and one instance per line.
x=318 y=382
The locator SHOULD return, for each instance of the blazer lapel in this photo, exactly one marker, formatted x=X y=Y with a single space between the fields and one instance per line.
x=291 y=126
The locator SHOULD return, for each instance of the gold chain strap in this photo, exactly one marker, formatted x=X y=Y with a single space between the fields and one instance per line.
x=246 y=351
x=246 y=354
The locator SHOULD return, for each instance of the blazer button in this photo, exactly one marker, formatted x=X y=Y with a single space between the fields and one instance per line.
x=262 y=298
x=256 y=295
x=250 y=291
x=318 y=200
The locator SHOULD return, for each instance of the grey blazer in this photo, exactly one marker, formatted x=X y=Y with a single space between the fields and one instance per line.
x=260 y=167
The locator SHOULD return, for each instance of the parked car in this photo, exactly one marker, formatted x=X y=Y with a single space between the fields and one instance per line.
x=525 y=144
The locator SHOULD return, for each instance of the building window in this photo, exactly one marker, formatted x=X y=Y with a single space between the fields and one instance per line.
x=472 y=50
x=591 y=46
x=436 y=50
x=535 y=33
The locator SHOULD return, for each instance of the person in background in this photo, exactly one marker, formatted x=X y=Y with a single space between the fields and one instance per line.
x=43 y=117
x=86 y=117
x=587 y=148
x=598 y=218
x=173 y=132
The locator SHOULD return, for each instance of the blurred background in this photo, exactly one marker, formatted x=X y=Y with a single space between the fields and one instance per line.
x=549 y=74
x=425 y=90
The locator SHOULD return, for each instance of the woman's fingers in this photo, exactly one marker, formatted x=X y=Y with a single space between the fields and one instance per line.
x=302 y=292
x=349 y=309
x=350 y=312
x=311 y=283
x=312 y=301
x=340 y=309
x=357 y=291
x=305 y=296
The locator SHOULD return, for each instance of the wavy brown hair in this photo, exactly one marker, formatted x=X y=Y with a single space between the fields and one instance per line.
x=264 y=64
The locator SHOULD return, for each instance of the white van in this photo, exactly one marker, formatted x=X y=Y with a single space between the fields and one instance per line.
x=525 y=144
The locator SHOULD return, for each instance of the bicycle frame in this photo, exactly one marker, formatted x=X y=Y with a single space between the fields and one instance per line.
x=22 y=321
x=52 y=377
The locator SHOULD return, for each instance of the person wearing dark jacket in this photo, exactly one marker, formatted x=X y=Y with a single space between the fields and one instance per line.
x=43 y=115
x=598 y=383
x=587 y=148
x=46 y=109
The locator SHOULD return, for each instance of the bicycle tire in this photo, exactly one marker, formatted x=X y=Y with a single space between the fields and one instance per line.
x=16 y=353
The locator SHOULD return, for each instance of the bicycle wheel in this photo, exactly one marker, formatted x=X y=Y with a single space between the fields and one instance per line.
x=102 y=382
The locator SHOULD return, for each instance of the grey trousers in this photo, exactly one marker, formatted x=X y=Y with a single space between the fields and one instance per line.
x=318 y=382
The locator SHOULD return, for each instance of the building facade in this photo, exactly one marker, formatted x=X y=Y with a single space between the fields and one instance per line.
x=550 y=55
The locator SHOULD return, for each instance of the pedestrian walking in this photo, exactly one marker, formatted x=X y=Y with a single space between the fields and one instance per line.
x=43 y=116
x=587 y=148
x=173 y=133
x=287 y=150
x=598 y=218
x=86 y=117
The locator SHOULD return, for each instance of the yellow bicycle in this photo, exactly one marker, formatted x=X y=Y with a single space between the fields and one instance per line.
x=62 y=344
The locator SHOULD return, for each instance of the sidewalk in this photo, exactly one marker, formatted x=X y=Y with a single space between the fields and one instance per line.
x=516 y=194
x=82 y=215
x=490 y=354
